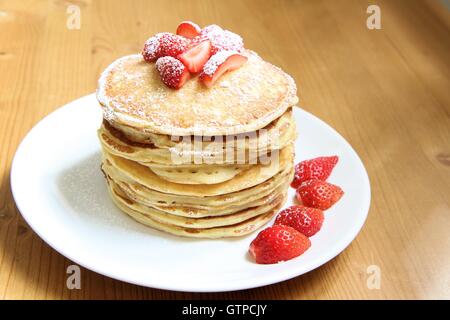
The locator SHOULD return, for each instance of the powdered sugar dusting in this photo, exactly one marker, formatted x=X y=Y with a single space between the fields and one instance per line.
x=151 y=48
x=228 y=41
x=216 y=60
x=171 y=70
x=175 y=66
x=220 y=39
x=243 y=100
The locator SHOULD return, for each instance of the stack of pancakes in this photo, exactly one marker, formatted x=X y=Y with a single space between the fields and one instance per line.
x=198 y=162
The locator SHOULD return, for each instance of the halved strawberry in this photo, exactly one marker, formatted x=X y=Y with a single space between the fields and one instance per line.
x=173 y=73
x=226 y=40
x=172 y=45
x=307 y=221
x=164 y=44
x=278 y=243
x=318 y=168
x=210 y=30
x=220 y=39
x=196 y=56
x=319 y=194
x=188 y=29
x=220 y=63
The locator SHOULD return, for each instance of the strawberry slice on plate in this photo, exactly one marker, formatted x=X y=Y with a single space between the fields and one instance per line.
x=318 y=168
x=220 y=63
x=319 y=194
x=173 y=73
x=188 y=29
x=196 y=56
x=278 y=243
x=307 y=221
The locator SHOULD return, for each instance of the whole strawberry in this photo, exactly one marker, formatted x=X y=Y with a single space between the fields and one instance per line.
x=318 y=194
x=307 y=221
x=318 y=168
x=164 y=44
x=278 y=243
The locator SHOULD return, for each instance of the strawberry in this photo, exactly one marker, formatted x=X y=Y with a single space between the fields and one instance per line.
x=196 y=56
x=211 y=30
x=278 y=243
x=188 y=29
x=172 y=44
x=151 y=50
x=173 y=73
x=319 y=194
x=207 y=33
x=220 y=63
x=227 y=40
x=318 y=168
x=164 y=44
x=305 y=220
x=220 y=39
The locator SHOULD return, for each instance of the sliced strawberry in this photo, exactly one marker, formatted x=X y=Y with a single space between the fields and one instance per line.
x=220 y=63
x=318 y=168
x=319 y=194
x=305 y=220
x=278 y=243
x=196 y=56
x=188 y=29
x=173 y=73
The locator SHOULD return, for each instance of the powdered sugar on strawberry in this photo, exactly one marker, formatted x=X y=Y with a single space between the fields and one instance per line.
x=216 y=60
x=164 y=44
x=194 y=46
x=151 y=50
x=173 y=73
x=220 y=39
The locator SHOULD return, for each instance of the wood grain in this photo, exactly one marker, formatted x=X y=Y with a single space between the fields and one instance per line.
x=386 y=91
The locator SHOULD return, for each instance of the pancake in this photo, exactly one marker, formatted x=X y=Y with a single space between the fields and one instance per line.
x=201 y=175
x=235 y=230
x=191 y=206
x=194 y=160
x=220 y=211
x=279 y=128
x=256 y=174
x=244 y=100
x=247 y=147
x=196 y=223
x=149 y=155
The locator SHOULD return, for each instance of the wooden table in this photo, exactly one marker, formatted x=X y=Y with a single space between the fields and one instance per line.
x=386 y=91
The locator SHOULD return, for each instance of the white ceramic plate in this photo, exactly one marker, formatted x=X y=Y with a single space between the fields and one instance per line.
x=61 y=193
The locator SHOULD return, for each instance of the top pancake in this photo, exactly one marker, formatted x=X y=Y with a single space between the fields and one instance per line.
x=244 y=100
